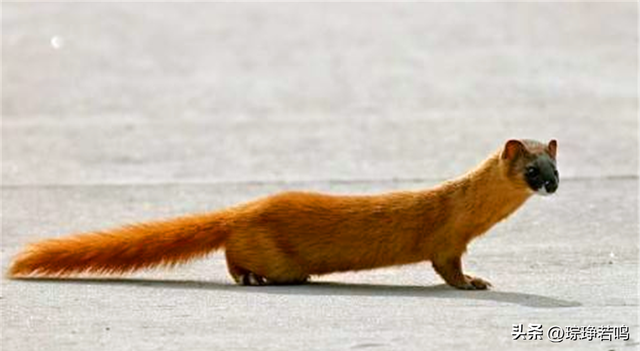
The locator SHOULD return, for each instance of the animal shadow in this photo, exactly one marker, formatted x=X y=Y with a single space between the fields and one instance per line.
x=336 y=289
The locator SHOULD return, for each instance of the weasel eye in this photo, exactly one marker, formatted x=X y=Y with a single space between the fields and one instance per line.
x=532 y=171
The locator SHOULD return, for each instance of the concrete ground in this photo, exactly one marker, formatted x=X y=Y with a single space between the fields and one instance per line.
x=116 y=113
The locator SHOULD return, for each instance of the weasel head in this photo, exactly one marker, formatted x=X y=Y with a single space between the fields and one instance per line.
x=531 y=165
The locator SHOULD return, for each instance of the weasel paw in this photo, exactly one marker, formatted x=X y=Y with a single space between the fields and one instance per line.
x=478 y=283
x=474 y=283
x=252 y=279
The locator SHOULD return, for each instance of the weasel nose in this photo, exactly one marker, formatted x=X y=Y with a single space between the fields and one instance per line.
x=550 y=186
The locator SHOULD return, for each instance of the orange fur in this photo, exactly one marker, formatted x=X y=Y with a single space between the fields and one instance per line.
x=287 y=237
x=125 y=249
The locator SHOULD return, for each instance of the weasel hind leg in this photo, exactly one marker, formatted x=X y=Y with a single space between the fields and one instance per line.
x=253 y=279
x=244 y=276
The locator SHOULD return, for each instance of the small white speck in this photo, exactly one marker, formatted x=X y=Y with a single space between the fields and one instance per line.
x=57 y=42
x=612 y=255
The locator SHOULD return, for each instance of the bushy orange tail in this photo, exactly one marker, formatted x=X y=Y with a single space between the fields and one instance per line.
x=124 y=249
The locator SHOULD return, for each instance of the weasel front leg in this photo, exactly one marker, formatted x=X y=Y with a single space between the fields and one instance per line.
x=450 y=269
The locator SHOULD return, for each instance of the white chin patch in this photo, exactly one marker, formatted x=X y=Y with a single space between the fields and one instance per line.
x=543 y=192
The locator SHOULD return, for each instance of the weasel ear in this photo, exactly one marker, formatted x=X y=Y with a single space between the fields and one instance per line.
x=512 y=148
x=553 y=148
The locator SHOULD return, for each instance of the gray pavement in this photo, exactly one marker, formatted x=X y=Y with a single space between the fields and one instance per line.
x=114 y=113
